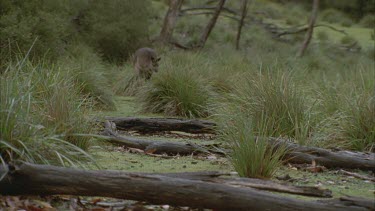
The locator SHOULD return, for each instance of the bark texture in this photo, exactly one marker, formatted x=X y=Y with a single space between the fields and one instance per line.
x=211 y=24
x=34 y=179
x=170 y=20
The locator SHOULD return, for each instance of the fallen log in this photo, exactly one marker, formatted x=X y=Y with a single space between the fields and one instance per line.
x=331 y=159
x=32 y=179
x=149 y=125
x=269 y=185
x=296 y=153
x=151 y=146
x=351 y=201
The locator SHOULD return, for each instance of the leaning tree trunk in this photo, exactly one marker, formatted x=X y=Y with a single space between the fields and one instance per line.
x=310 y=29
x=241 y=22
x=170 y=20
x=211 y=24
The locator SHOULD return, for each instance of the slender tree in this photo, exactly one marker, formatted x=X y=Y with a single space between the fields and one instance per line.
x=170 y=20
x=314 y=14
x=241 y=22
x=211 y=24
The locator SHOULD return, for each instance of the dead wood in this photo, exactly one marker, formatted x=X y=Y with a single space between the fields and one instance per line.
x=224 y=9
x=359 y=176
x=331 y=159
x=351 y=201
x=269 y=185
x=32 y=179
x=149 y=125
x=297 y=30
x=152 y=146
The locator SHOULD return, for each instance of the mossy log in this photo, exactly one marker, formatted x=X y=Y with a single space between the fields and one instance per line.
x=32 y=179
x=330 y=159
x=149 y=125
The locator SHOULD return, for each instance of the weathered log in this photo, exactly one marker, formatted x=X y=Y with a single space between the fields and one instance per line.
x=158 y=147
x=269 y=185
x=149 y=125
x=151 y=146
x=351 y=201
x=331 y=159
x=31 y=179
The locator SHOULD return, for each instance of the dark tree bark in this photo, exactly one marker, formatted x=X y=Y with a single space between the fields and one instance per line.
x=150 y=146
x=31 y=179
x=240 y=24
x=211 y=24
x=331 y=159
x=170 y=20
x=314 y=14
x=150 y=125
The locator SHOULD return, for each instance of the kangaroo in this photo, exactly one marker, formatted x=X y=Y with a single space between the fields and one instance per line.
x=146 y=62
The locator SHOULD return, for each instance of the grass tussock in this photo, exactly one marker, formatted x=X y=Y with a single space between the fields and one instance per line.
x=252 y=156
x=176 y=91
x=41 y=110
x=90 y=72
x=273 y=99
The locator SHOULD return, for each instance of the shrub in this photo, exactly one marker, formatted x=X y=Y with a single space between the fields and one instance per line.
x=89 y=71
x=117 y=28
x=368 y=21
x=45 y=25
x=347 y=40
x=322 y=36
x=335 y=16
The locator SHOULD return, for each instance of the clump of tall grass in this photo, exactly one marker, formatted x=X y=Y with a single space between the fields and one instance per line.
x=273 y=99
x=40 y=111
x=251 y=156
x=345 y=108
x=358 y=123
x=368 y=21
x=176 y=91
x=332 y=15
x=90 y=72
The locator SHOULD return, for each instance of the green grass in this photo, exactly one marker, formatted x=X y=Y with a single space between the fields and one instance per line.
x=40 y=111
x=251 y=156
x=177 y=90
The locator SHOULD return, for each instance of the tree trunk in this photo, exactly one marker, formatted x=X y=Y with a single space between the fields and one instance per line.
x=314 y=14
x=240 y=24
x=211 y=24
x=31 y=179
x=170 y=20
